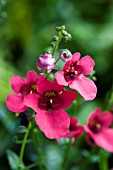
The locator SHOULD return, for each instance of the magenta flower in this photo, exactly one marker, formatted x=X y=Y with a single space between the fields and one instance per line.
x=74 y=132
x=49 y=103
x=46 y=62
x=73 y=75
x=21 y=88
x=98 y=129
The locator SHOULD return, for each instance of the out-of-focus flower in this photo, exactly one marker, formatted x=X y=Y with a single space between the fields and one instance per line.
x=74 y=132
x=49 y=103
x=46 y=62
x=21 y=88
x=65 y=55
x=99 y=131
x=73 y=75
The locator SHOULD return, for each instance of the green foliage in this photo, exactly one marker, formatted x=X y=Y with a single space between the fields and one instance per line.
x=21 y=129
x=13 y=159
x=26 y=30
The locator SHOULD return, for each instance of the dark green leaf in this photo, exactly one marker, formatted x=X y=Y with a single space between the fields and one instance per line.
x=13 y=159
x=21 y=129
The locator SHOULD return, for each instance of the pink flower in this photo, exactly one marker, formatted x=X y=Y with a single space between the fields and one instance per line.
x=21 y=88
x=73 y=75
x=49 y=103
x=75 y=131
x=65 y=55
x=46 y=62
x=98 y=129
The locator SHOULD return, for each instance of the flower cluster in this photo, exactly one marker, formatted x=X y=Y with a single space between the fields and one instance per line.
x=50 y=98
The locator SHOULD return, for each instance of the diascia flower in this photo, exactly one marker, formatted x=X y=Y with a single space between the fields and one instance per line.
x=49 y=103
x=98 y=129
x=21 y=88
x=74 y=132
x=73 y=75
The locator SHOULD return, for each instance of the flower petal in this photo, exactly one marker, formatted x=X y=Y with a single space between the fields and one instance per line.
x=87 y=64
x=31 y=77
x=59 y=76
x=54 y=124
x=104 y=139
x=96 y=113
x=15 y=103
x=75 y=133
x=31 y=100
x=85 y=87
x=46 y=85
x=67 y=97
x=74 y=60
x=76 y=57
x=16 y=83
x=106 y=118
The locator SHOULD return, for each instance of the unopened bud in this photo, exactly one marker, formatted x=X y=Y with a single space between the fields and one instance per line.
x=45 y=62
x=55 y=38
x=64 y=33
x=63 y=27
x=58 y=28
x=65 y=55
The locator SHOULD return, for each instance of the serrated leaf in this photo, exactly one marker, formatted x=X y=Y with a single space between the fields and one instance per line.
x=21 y=129
x=13 y=159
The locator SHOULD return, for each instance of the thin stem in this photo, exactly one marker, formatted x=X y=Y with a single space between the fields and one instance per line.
x=23 y=146
x=36 y=143
x=54 y=49
x=31 y=166
x=57 y=59
x=103 y=161
x=57 y=43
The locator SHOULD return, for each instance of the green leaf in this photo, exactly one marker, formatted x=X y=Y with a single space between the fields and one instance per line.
x=18 y=141
x=13 y=159
x=21 y=129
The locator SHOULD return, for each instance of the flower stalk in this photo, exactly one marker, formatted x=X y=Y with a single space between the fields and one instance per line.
x=23 y=146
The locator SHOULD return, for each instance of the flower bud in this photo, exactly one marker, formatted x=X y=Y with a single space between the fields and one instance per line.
x=55 y=38
x=64 y=33
x=45 y=62
x=65 y=55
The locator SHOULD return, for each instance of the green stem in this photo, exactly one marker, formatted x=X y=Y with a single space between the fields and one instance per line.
x=103 y=161
x=31 y=166
x=23 y=146
x=57 y=43
x=36 y=143
x=57 y=59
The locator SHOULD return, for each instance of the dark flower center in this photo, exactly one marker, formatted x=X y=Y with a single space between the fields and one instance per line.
x=70 y=73
x=49 y=101
x=24 y=90
x=95 y=126
x=72 y=127
x=33 y=88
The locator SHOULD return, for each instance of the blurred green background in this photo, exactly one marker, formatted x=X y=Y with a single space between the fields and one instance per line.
x=26 y=30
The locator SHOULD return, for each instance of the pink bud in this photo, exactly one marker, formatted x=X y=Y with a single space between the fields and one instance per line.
x=45 y=62
x=65 y=55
